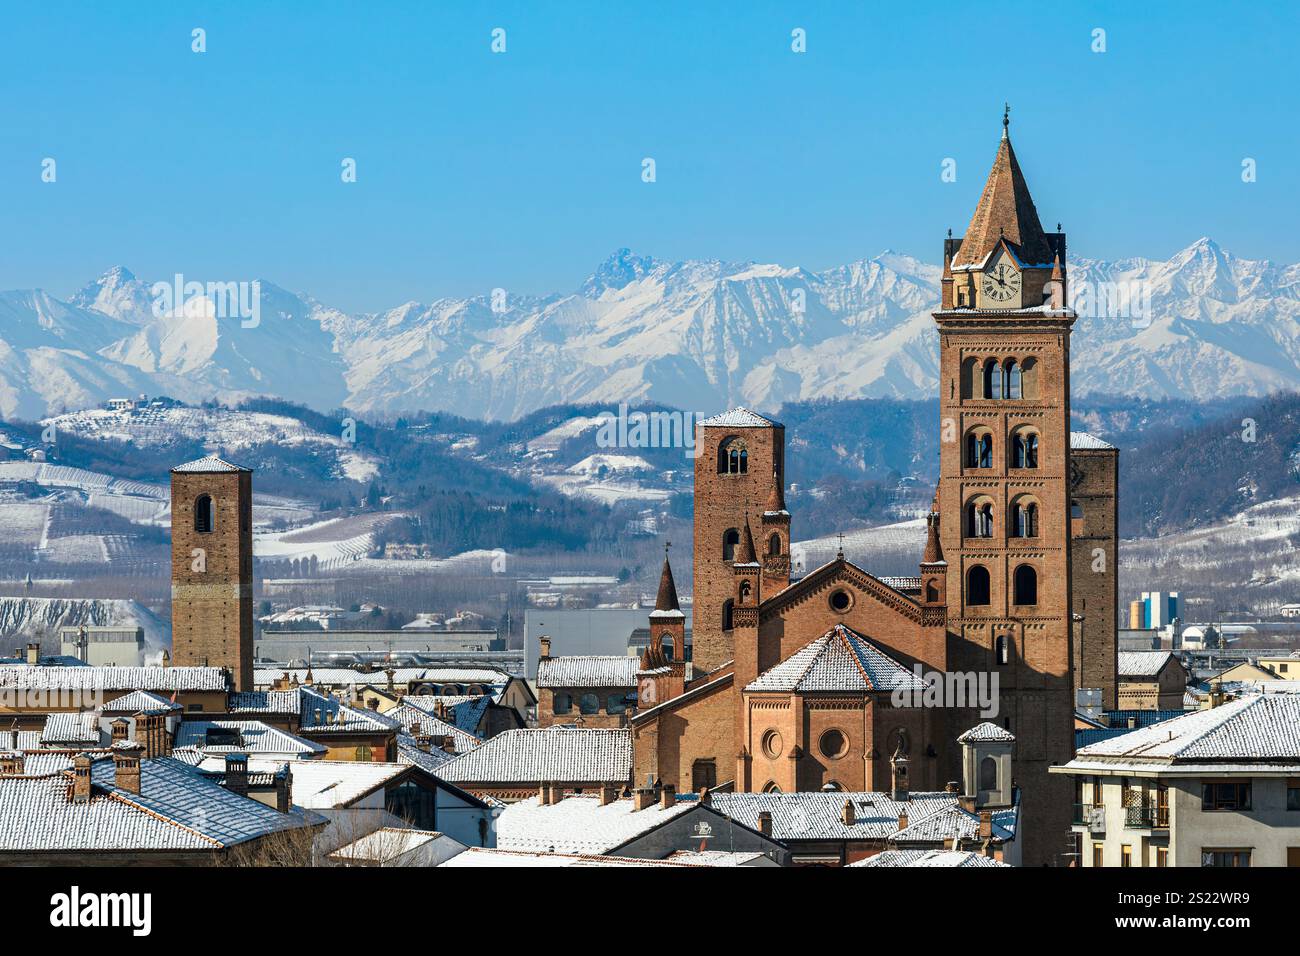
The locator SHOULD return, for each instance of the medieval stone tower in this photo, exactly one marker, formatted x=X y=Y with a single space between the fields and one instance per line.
x=212 y=567
x=739 y=478
x=1004 y=496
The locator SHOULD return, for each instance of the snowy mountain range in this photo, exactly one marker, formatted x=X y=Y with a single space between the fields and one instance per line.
x=697 y=335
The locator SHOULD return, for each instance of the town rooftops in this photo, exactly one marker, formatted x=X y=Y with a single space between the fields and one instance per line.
x=323 y=714
x=328 y=784
x=1260 y=731
x=71 y=729
x=555 y=754
x=579 y=824
x=478 y=856
x=406 y=714
x=953 y=822
x=280 y=702
x=1082 y=441
x=208 y=464
x=1142 y=663
x=344 y=676
x=114 y=678
x=587 y=670
x=929 y=858
x=740 y=417
x=839 y=660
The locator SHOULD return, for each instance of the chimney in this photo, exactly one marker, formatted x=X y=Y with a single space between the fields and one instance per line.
x=449 y=743
x=11 y=763
x=544 y=648
x=151 y=734
x=668 y=796
x=126 y=766
x=643 y=797
x=33 y=653
x=237 y=774
x=81 y=778
x=952 y=787
x=544 y=794
x=608 y=794
x=765 y=822
x=902 y=820
x=848 y=816
x=706 y=797
x=283 y=789
x=966 y=802
x=986 y=825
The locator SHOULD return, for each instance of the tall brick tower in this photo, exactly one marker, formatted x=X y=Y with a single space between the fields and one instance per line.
x=1004 y=497
x=741 y=456
x=212 y=567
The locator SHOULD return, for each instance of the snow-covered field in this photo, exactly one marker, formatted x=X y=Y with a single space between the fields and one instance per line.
x=334 y=544
x=215 y=428
x=883 y=550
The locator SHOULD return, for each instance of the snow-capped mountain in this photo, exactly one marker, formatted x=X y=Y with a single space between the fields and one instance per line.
x=697 y=335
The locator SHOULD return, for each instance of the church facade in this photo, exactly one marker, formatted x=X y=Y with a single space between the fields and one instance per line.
x=795 y=684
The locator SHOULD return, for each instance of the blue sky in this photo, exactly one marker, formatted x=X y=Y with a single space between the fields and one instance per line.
x=523 y=170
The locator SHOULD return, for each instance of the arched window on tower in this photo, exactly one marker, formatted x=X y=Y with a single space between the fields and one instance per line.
x=977 y=585
x=727 y=605
x=730 y=540
x=774 y=545
x=744 y=592
x=666 y=645
x=979 y=450
x=1024 y=449
x=1025 y=585
x=733 y=457
x=1002 y=649
x=988 y=774
x=1026 y=519
x=1015 y=384
x=992 y=379
x=204 y=514
x=979 y=519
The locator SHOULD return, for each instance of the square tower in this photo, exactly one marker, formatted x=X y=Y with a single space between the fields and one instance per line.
x=212 y=567
x=740 y=459
x=1004 y=495
x=1094 y=527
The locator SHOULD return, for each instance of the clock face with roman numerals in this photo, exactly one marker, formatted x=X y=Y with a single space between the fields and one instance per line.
x=1001 y=283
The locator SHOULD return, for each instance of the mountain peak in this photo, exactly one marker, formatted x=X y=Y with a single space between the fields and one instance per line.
x=618 y=271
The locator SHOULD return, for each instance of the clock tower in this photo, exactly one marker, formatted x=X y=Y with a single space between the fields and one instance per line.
x=1004 y=497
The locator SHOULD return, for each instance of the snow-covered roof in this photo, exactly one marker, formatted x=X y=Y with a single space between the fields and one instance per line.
x=344 y=676
x=478 y=856
x=952 y=822
x=74 y=727
x=464 y=711
x=322 y=713
x=740 y=417
x=1142 y=663
x=388 y=843
x=1252 y=730
x=266 y=702
x=328 y=784
x=249 y=736
x=587 y=670
x=1082 y=441
x=208 y=464
x=554 y=754
x=113 y=678
x=930 y=858
x=818 y=815
x=580 y=824
x=139 y=702
x=986 y=731
x=839 y=660
x=406 y=714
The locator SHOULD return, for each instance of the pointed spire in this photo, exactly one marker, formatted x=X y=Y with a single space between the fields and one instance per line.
x=933 y=550
x=776 y=500
x=666 y=600
x=1005 y=212
x=747 y=553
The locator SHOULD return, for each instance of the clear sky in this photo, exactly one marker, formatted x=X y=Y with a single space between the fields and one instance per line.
x=522 y=170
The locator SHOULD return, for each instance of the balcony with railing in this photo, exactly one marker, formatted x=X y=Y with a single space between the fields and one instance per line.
x=1145 y=815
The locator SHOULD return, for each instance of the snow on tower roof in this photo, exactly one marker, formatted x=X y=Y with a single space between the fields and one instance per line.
x=1082 y=441
x=741 y=417
x=208 y=464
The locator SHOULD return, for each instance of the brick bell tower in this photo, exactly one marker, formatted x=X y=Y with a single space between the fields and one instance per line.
x=739 y=480
x=1004 y=499
x=212 y=567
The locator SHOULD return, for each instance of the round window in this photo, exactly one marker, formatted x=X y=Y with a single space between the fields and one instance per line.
x=772 y=744
x=840 y=601
x=833 y=744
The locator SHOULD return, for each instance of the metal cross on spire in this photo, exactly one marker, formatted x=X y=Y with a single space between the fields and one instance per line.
x=1006 y=118
x=841 y=551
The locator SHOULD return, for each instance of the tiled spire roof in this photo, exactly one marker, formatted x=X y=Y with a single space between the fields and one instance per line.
x=933 y=550
x=747 y=553
x=776 y=500
x=666 y=600
x=1005 y=212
